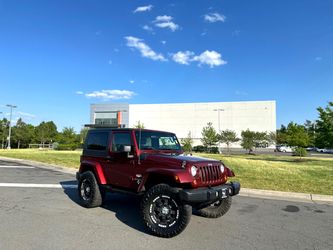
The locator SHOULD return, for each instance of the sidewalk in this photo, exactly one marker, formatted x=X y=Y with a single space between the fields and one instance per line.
x=246 y=192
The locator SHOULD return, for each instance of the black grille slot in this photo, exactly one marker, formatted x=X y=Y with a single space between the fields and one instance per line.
x=209 y=174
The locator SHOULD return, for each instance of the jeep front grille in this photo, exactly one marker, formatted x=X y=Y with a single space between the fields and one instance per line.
x=210 y=174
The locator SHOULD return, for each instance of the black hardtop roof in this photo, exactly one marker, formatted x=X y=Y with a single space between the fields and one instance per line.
x=125 y=129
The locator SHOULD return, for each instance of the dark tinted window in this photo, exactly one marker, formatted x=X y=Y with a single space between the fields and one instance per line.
x=120 y=140
x=97 y=141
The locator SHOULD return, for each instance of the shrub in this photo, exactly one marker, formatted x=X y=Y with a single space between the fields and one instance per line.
x=71 y=146
x=213 y=150
x=301 y=152
x=203 y=149
x=199 y=149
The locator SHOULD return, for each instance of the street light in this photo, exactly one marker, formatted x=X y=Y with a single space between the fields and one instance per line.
x=10 y=122
x=218 y=115
x=3 y=131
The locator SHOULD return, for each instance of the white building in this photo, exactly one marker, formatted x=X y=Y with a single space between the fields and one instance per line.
x=182 y=118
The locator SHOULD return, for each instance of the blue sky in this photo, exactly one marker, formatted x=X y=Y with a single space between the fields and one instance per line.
x=57 y=57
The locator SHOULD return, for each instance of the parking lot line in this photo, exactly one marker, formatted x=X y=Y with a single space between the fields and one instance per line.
x=9 y=166
x=34 y=185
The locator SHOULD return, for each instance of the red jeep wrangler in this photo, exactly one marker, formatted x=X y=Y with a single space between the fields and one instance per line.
x=150 y=163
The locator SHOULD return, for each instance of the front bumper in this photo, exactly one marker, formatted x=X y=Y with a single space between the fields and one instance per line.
x=209 y=194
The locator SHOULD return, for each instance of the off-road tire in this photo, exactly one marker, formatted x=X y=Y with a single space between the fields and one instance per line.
x=216 y=209
x=88 y=190
x=163 y=213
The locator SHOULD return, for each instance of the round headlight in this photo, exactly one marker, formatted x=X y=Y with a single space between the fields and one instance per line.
x=222 y=168
x=194 y=171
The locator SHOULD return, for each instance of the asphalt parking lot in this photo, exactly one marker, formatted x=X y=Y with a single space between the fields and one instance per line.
x=39 y=210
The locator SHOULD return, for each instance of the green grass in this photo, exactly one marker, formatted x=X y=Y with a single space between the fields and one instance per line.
x=282 y=173
x=69 y=159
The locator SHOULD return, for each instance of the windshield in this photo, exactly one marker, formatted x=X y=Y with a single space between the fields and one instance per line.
x=157 y=140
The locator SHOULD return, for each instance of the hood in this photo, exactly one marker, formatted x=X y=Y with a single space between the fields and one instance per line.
x=175 y=161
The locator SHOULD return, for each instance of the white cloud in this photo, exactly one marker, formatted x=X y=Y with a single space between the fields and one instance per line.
x=26 y=115
x=171 y=25
x=145 y=50
x=79 y=93
x=211 y=58
x=147 y=28
x=164 y=18
x=143 y=8
x=214 y=17
x=113 y=94
x=183 y=57
x=132 y=81
x=166 y=22
x=163 y=42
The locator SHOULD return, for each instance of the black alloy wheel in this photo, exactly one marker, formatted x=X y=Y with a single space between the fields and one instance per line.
x=163 y=212
x=88 y=190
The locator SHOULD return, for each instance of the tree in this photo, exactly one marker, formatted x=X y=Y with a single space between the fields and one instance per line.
x=67 y=136
x=248 y=140
x=139 y=125
x=271 y=138
x=83 y=134
x=310 y=130
x=46 y=132
x=209 y=136
x=187 y=143
x=68 y=139
x=4 y=126
x=297 y=137
x=23 y=133
x=281 y=135
x=261 y=140
x=324 y=127
x=228 y=137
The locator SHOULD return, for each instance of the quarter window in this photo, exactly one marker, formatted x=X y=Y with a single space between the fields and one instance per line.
x=97 y=141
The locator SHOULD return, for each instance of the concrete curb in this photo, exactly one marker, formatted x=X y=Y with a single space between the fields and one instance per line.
x=289 y=196
x=245 y=192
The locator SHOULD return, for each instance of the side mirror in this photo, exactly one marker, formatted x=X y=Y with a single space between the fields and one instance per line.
x=127 y=149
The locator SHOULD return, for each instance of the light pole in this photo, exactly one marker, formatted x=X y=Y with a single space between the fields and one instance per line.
x=10 y=123
x=218 y=117
x=2 y=133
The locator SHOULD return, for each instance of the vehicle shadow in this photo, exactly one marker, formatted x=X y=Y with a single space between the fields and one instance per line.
x=125 y=207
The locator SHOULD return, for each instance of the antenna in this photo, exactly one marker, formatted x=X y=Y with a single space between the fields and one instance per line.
x=139 y=144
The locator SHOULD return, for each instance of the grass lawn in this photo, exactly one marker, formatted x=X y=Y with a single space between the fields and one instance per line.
x=63 y=158
x=282 y=173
